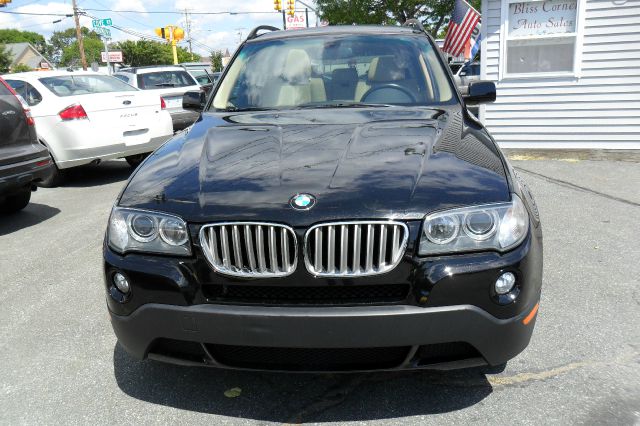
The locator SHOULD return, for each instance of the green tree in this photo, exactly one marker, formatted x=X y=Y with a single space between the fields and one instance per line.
x=21 y=68
x=61 y=40
x=5 y=59
x=434 y=14
x=92 y=51
x=17 y=36
x=145 y=52
x=216 y=60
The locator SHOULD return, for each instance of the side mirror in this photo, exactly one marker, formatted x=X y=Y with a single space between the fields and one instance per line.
x=463 y=73
x=480 y=92
x=194 y=100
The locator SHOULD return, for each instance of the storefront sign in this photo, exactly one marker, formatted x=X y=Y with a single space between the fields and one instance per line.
x=297 y=21
x=114 y=56
x=542 y=17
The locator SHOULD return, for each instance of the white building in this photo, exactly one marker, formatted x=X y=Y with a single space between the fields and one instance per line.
x=567 y=73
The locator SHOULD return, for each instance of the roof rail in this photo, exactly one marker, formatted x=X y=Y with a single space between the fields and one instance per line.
x=415 y=24
x=254 y=33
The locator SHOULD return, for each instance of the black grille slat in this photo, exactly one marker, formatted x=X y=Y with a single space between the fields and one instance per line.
x=323 y=295
x=308 y=359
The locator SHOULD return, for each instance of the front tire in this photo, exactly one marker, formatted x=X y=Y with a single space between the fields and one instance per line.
x=16 y=202
x=135 y=160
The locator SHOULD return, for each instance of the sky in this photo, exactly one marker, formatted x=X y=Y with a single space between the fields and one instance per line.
x=209 y=32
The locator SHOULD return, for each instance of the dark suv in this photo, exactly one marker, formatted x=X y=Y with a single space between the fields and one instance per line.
x=23 y=161
x=334 y=208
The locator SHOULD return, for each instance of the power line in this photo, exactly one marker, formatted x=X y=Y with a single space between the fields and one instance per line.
x=66 y=15
x=175 y=12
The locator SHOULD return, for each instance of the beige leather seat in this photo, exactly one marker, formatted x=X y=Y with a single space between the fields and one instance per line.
x=298 y=87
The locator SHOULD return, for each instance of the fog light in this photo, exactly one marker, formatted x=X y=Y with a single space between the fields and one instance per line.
x=121 y=282
x=505 y=283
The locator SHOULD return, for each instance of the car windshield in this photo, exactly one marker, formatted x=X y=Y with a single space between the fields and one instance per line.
x=200 y=76
x=162 y=79
x=73 y=85
x=334 y=71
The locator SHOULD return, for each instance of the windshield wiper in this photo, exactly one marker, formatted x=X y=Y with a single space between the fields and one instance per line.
x=165 y=85
x=341 y=104
x=236 y=109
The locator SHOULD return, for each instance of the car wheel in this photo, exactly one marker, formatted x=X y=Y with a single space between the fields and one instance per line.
x=135 y=160
x=16 y=202
x=56 y=179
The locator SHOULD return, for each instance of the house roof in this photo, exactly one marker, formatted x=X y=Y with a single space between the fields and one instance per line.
x=17 y=51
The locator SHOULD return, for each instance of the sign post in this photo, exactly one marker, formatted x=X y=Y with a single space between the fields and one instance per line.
x=99 y=27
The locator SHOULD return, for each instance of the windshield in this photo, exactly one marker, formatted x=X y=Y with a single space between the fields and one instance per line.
x=200 y=76
x=160 y=79
x=73 y=85
x=334 y=71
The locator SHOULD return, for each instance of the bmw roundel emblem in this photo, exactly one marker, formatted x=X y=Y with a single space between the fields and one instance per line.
x=302 y=201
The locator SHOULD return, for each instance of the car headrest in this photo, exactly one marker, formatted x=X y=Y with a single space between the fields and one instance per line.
x=297 y=67
x=384 y=68
x=344 y=76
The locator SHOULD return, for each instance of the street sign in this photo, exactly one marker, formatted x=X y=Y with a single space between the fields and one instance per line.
x=97 y=23
x=114 y=56
x=297 y=22
x=103 y=31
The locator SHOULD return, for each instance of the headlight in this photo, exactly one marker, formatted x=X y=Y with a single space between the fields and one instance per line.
x=146 y=231
x=489 y=227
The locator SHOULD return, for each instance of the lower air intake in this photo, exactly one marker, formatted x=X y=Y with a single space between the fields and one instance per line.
x=308 y=359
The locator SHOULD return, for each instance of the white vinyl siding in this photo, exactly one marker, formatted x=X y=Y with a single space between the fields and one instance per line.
x=598 y=108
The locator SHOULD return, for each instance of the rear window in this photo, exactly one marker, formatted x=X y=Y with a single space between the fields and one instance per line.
x=162 y=79
x=73 y=85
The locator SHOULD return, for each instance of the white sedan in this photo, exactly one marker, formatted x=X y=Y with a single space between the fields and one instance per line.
x=86 y=117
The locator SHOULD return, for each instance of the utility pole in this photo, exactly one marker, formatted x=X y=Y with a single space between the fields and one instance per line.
x=187 y=24
x=83 y=58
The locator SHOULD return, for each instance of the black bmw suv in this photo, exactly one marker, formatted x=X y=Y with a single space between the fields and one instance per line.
x=334 y=208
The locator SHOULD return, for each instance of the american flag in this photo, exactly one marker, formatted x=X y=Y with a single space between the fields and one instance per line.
x=463 y=21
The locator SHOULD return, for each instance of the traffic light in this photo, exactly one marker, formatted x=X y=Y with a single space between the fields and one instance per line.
x=170 y=32
x=277 y=5
x=291 y=7
x=178 y=33
x=3 y=3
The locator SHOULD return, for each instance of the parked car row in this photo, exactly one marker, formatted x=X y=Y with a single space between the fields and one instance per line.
x=54 y=120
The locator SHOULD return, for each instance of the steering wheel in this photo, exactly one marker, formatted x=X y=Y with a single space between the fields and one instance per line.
x=392 y=86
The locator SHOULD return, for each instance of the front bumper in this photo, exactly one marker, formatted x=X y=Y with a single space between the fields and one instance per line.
x=408 y=327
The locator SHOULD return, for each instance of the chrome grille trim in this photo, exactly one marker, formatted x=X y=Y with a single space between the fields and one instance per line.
x=354 y=248
x=250 y=249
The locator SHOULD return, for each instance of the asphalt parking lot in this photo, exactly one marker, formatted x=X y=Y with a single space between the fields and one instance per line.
x=60 y=362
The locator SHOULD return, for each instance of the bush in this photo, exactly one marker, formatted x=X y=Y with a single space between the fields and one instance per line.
x=20 y=68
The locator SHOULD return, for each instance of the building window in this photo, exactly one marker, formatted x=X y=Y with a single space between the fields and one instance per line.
x=541 y=36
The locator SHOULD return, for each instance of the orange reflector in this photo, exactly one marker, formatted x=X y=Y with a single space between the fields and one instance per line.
x=531 y=315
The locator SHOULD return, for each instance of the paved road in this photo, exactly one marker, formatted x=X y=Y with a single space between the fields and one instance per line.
x=59 y=362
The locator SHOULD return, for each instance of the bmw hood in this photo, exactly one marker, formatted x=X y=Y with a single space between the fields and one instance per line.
x=345 y=164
